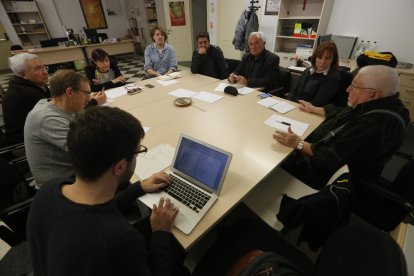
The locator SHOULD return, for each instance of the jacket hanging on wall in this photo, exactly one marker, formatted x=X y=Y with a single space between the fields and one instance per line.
x=252 y=26
x=239 y=33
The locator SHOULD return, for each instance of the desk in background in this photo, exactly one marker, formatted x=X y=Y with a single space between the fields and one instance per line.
x=60 y=54
x=235 y=124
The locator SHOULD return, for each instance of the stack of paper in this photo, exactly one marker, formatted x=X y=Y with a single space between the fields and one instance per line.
x=284 y=123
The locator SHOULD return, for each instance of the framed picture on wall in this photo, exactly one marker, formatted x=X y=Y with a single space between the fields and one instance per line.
x=94 y=14
x=177 y=13
x=272 y=7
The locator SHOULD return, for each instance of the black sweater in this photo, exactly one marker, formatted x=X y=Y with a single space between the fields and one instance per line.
x=19 y=100
x=66 y=238
x=90 y=74
x=211 y=64
x=259 y=72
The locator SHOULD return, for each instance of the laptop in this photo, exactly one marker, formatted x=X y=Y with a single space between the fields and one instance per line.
x=198 y=171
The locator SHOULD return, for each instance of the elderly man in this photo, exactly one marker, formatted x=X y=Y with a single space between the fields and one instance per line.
x=257 y=68
x=26 y=88
x=75 y=227
x=208 y=59
x=363 y=136
x=48 y=123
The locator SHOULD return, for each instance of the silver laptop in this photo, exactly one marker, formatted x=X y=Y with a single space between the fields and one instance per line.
x=198 y=171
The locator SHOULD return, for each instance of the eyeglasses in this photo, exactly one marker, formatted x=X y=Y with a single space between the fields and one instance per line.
x=142 y=149
x=41 y=68
x=84 y=91
x=353 y=87
x=133 y=89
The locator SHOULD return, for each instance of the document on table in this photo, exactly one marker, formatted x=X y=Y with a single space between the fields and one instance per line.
x=245 y=90
x=268 y=102
x=167 y=82
x=222 y=85
x=207 y=97
x=296 y=68
x=108 y=101
x=156 y=159
x=181 y=92
x=282 y=107
x=116 y=92
x=283 y=123
x=170 y=76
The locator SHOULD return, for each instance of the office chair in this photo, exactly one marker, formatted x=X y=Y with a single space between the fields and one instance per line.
x=15 y=194
x=232 y=64
x=341 y=97
x=284 y=79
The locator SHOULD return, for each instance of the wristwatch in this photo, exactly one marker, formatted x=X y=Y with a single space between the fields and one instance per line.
x=300 y=145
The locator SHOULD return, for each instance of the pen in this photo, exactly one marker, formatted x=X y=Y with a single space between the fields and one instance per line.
x=285 y=123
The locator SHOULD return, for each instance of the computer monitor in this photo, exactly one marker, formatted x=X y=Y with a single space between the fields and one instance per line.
x=91 y=34
x=323 y=38
x=345 y=45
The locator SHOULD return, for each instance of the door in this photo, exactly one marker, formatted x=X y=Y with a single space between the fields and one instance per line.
x=178 y=23
x=229 y=15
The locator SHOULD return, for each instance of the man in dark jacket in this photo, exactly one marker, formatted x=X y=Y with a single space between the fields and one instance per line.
x=26 y=88
x=208 y=59
x=362 y=136
x=259 y=67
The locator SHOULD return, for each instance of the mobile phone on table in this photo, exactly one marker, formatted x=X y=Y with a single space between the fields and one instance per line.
x=149 y=85
x=264 y=95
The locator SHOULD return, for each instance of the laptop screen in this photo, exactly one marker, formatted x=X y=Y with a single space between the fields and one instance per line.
x=201 y=162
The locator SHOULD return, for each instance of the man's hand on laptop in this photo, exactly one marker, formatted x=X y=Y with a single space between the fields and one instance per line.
x=155 y=182
x=163 y=216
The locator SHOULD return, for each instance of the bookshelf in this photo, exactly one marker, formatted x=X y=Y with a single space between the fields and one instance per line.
x=310 y=14
x=27 y=21
x=151 y=13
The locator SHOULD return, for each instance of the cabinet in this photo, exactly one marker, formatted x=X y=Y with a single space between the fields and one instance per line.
x=407 y=91
x=27 y=21
x=311 y=14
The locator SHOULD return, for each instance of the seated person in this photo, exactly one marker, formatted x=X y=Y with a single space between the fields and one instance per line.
x=319 y=84
x=159 y=56
x=259 y=67
x=47 y=125
x=363 y=135
x=208 y=59
x=27 y=87
x=75 y=228
x=103 y=73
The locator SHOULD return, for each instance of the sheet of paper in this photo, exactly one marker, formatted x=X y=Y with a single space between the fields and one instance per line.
x=282 y=123
x=170 y=76
x=181 y=92
x=296 y=68
x=207 y=97
x=167 y=82
x=156 y=159
x=268 y=102
x=283 y=107
x=245 y=90
x=222 y=85
x=108 y=101
x=116 y=92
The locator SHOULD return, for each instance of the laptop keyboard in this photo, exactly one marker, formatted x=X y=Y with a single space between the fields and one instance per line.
x=186 y=194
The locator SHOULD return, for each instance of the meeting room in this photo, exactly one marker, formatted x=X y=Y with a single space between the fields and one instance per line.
x=206 y=137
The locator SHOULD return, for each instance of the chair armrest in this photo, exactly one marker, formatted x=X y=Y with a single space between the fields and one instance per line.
x=16 y=207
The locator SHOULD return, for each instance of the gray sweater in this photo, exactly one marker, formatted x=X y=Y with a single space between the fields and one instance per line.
x=45 y=133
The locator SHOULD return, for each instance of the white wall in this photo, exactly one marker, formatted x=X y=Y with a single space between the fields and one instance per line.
x=387 y=22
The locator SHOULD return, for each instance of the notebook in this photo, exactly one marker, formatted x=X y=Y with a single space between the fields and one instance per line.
x=198 y=171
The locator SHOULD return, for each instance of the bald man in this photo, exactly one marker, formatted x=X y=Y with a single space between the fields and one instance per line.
x=363 y=136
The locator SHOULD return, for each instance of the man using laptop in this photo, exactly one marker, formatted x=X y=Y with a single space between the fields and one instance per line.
x=75 y=228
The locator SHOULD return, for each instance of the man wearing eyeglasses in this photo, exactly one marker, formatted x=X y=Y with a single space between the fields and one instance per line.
x=75 y=227
x=26 y=88
x=362 y=136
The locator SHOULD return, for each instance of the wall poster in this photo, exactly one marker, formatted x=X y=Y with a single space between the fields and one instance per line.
x=272 y=7
x=94 y=14
x=177 y=13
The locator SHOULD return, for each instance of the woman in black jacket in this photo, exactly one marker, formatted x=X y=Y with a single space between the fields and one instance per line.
x=320 y=83
x=103 y=73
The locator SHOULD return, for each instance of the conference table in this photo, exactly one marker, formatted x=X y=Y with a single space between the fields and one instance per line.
x=234 y=123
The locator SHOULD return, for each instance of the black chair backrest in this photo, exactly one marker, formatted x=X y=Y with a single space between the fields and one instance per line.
x=341 y=97
x=284 y=79
x=232 y=64
x=361 y=250
x=16 y=47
